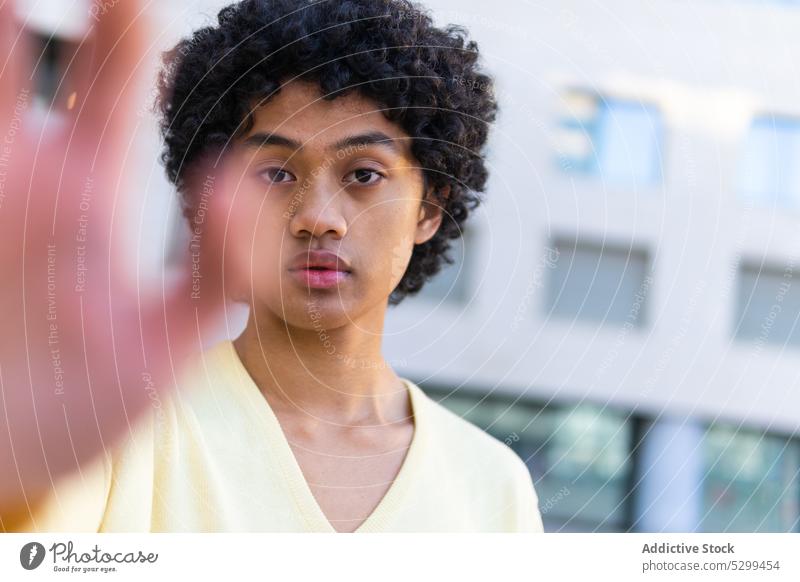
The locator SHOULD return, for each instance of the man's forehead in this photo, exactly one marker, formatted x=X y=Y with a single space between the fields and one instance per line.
x=305 y=102
x=300 y=115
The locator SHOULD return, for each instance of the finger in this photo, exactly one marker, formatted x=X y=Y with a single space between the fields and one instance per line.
x=196 y=302
x=111 y=83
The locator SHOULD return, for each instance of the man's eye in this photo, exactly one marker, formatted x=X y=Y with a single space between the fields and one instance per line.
x=364 y=177
x=276 y=175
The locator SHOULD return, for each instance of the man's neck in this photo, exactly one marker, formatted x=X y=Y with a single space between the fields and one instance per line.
x=335 y=376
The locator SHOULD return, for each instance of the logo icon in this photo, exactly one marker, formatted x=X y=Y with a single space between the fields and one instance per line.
x=31 y=555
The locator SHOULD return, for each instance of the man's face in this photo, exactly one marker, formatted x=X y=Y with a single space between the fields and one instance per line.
x=333 y=204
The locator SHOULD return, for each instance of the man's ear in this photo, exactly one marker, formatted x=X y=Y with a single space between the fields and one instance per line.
x=431 y=213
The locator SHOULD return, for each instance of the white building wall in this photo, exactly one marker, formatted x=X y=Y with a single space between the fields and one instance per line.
x=709 y=66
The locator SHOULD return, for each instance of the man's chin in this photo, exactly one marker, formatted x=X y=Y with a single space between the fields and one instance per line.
x=312 y=312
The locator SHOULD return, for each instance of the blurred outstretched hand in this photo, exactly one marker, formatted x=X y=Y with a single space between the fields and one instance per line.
x=82 y=347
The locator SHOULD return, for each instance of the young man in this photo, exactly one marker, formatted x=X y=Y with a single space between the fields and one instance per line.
x=341 y=143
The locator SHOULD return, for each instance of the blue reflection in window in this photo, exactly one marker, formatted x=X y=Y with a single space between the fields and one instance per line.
x=618 y=141
x=769 y=174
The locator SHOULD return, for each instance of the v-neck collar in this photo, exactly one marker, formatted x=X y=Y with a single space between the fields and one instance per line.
x=306 y=503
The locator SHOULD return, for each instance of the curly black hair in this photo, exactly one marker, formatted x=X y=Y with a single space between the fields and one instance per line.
x=427 y=80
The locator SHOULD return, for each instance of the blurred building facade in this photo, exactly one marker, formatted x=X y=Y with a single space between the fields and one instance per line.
x=624 y=311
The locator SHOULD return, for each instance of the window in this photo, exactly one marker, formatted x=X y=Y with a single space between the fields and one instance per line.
x=588 y=453
x=605 y=284
x=768 y=305
x=769 y=174
x=751 y=483
x=576 y=132
x=578 y=456
x=581 y=458
x=616 y=140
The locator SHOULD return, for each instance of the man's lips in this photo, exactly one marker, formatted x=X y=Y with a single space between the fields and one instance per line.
x=319 y=269
x=319 y=259
x=319 y=278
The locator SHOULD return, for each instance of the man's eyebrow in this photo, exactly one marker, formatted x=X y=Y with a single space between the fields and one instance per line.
x=263 y=139
x=368 y=139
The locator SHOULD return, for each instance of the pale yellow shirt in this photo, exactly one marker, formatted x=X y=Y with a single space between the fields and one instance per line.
x=213 y=457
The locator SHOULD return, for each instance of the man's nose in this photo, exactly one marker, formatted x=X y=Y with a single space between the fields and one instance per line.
x=318 y=210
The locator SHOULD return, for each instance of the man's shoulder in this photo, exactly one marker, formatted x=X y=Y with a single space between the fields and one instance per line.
x=484 y=471
x=467 y=443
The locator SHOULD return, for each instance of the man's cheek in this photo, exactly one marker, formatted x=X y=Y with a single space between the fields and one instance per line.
x=399 y=258
x=387 y=265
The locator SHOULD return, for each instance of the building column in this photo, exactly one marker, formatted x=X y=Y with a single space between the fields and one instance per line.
x=668 y=473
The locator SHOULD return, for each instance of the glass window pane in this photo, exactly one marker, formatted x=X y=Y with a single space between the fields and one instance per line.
x=751 y=481
x=628 y=143
x=578 y=456
x=769 y=174
x=619 y=141
x=598 y=283
x=767 y=306
x=573 y=137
